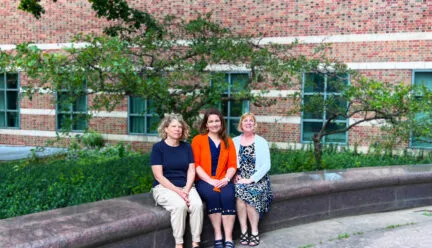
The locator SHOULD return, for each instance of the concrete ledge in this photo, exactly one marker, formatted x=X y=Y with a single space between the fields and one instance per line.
x=299 y=198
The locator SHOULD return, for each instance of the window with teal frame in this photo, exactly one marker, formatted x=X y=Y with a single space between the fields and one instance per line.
x=142 y=117
x=233 y=109
x=421 y=78
x=319 y=89
x=72 y=111
x=9 y=100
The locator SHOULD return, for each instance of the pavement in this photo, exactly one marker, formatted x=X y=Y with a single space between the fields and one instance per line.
x=407 y=228
x=20 y=152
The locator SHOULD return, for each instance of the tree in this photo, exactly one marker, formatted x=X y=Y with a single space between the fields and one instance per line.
x=394 y=106
x=166 y=61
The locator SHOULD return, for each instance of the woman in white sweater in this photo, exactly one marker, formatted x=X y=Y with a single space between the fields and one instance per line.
x=252 y=182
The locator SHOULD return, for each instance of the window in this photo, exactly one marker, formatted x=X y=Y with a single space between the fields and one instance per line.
x=233 y=109
x=9 y=100
x=321 y=98
x=71 y=111
x=422 y=78
x=142 y=118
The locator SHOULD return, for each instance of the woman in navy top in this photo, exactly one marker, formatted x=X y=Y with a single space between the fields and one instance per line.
x=174 y=172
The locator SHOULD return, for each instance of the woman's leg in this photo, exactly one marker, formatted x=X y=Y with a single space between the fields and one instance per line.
x=253 y=217
x=212 y=199
x=177 y=207
x=196 y=216
x=242 y=215
x=228 y=201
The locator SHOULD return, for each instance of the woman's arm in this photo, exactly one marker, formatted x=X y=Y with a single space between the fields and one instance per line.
x=190 y=177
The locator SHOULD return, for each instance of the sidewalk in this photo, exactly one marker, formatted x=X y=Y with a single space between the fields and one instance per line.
x=399 y=229
x=20 y=152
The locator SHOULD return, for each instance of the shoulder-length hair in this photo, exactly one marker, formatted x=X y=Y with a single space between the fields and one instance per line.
x=166 y=121
x=222 y=132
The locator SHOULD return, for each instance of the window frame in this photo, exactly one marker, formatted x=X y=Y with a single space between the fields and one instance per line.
x=71 y=113
x=411 y=138
x=245 y=103
x=325 y=95
x=18 y=107
x=145 y=115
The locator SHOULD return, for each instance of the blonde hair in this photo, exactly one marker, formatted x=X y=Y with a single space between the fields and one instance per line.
x=244 y=116
x=166 y=121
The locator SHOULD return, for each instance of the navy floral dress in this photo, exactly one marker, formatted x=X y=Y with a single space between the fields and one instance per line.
x=257 y=194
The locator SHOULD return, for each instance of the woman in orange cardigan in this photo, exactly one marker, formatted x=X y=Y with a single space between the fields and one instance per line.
x=216 y=164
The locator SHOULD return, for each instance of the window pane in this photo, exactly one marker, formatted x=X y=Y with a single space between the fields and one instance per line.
x=137 y=105
x=151 y=107
x=152 y=124
x=237 y=108
x=2 y=119
x=239 y=81
x=314 y=82
x=136 y=124
x=2 y=81
x=225 y=107
x=338 y=137
x=79 y=122
x=12 y=119
x=336 y=83
x=12 y=100
x=336 y=105
x=2 y=100
x=313 y=107
x=309 y=129
x=63 y=102
x=80 y=104
x=12 y=80
x=63 y=121
x=423 y=78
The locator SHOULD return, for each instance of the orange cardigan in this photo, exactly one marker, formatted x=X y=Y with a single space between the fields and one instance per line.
x=202 y=156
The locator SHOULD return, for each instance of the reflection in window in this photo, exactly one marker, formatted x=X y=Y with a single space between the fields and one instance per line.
x=9 y=100
x=72 y=111
x=422 y=78
x=321 y=99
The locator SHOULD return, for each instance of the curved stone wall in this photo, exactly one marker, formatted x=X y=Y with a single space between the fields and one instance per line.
x=135 y=221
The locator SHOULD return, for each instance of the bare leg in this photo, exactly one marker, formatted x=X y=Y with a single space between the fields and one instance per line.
x=242 y=215
x=253 y=217
x=179 y=246
x=216 y=220
x=228 y=224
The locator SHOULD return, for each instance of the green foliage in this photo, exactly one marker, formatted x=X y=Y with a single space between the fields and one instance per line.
x=45 y=185
x=93 y=140
x=289 y=161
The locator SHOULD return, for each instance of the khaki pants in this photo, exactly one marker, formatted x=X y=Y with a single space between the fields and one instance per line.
x=174 y=204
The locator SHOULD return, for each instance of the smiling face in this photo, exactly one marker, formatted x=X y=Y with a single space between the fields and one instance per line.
x=248 y=124
x=174 y=130
x=214 y=124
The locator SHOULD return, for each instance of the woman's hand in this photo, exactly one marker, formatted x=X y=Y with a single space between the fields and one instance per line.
x=245 y=181
x=184 y=195
x=221 y=183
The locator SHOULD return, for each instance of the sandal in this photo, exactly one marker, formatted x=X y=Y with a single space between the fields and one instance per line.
x=254 y=240
x=244 y=238
x=218 y=243
x=229 y=244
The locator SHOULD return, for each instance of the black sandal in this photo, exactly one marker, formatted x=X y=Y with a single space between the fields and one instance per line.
x=218 y=243
x=254 y=240
x=244 y=238
x=229 y=244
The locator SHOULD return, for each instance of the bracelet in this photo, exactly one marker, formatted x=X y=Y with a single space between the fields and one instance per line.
x=228 y=180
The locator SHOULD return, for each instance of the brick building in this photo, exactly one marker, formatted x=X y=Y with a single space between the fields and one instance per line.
x=385 y=40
